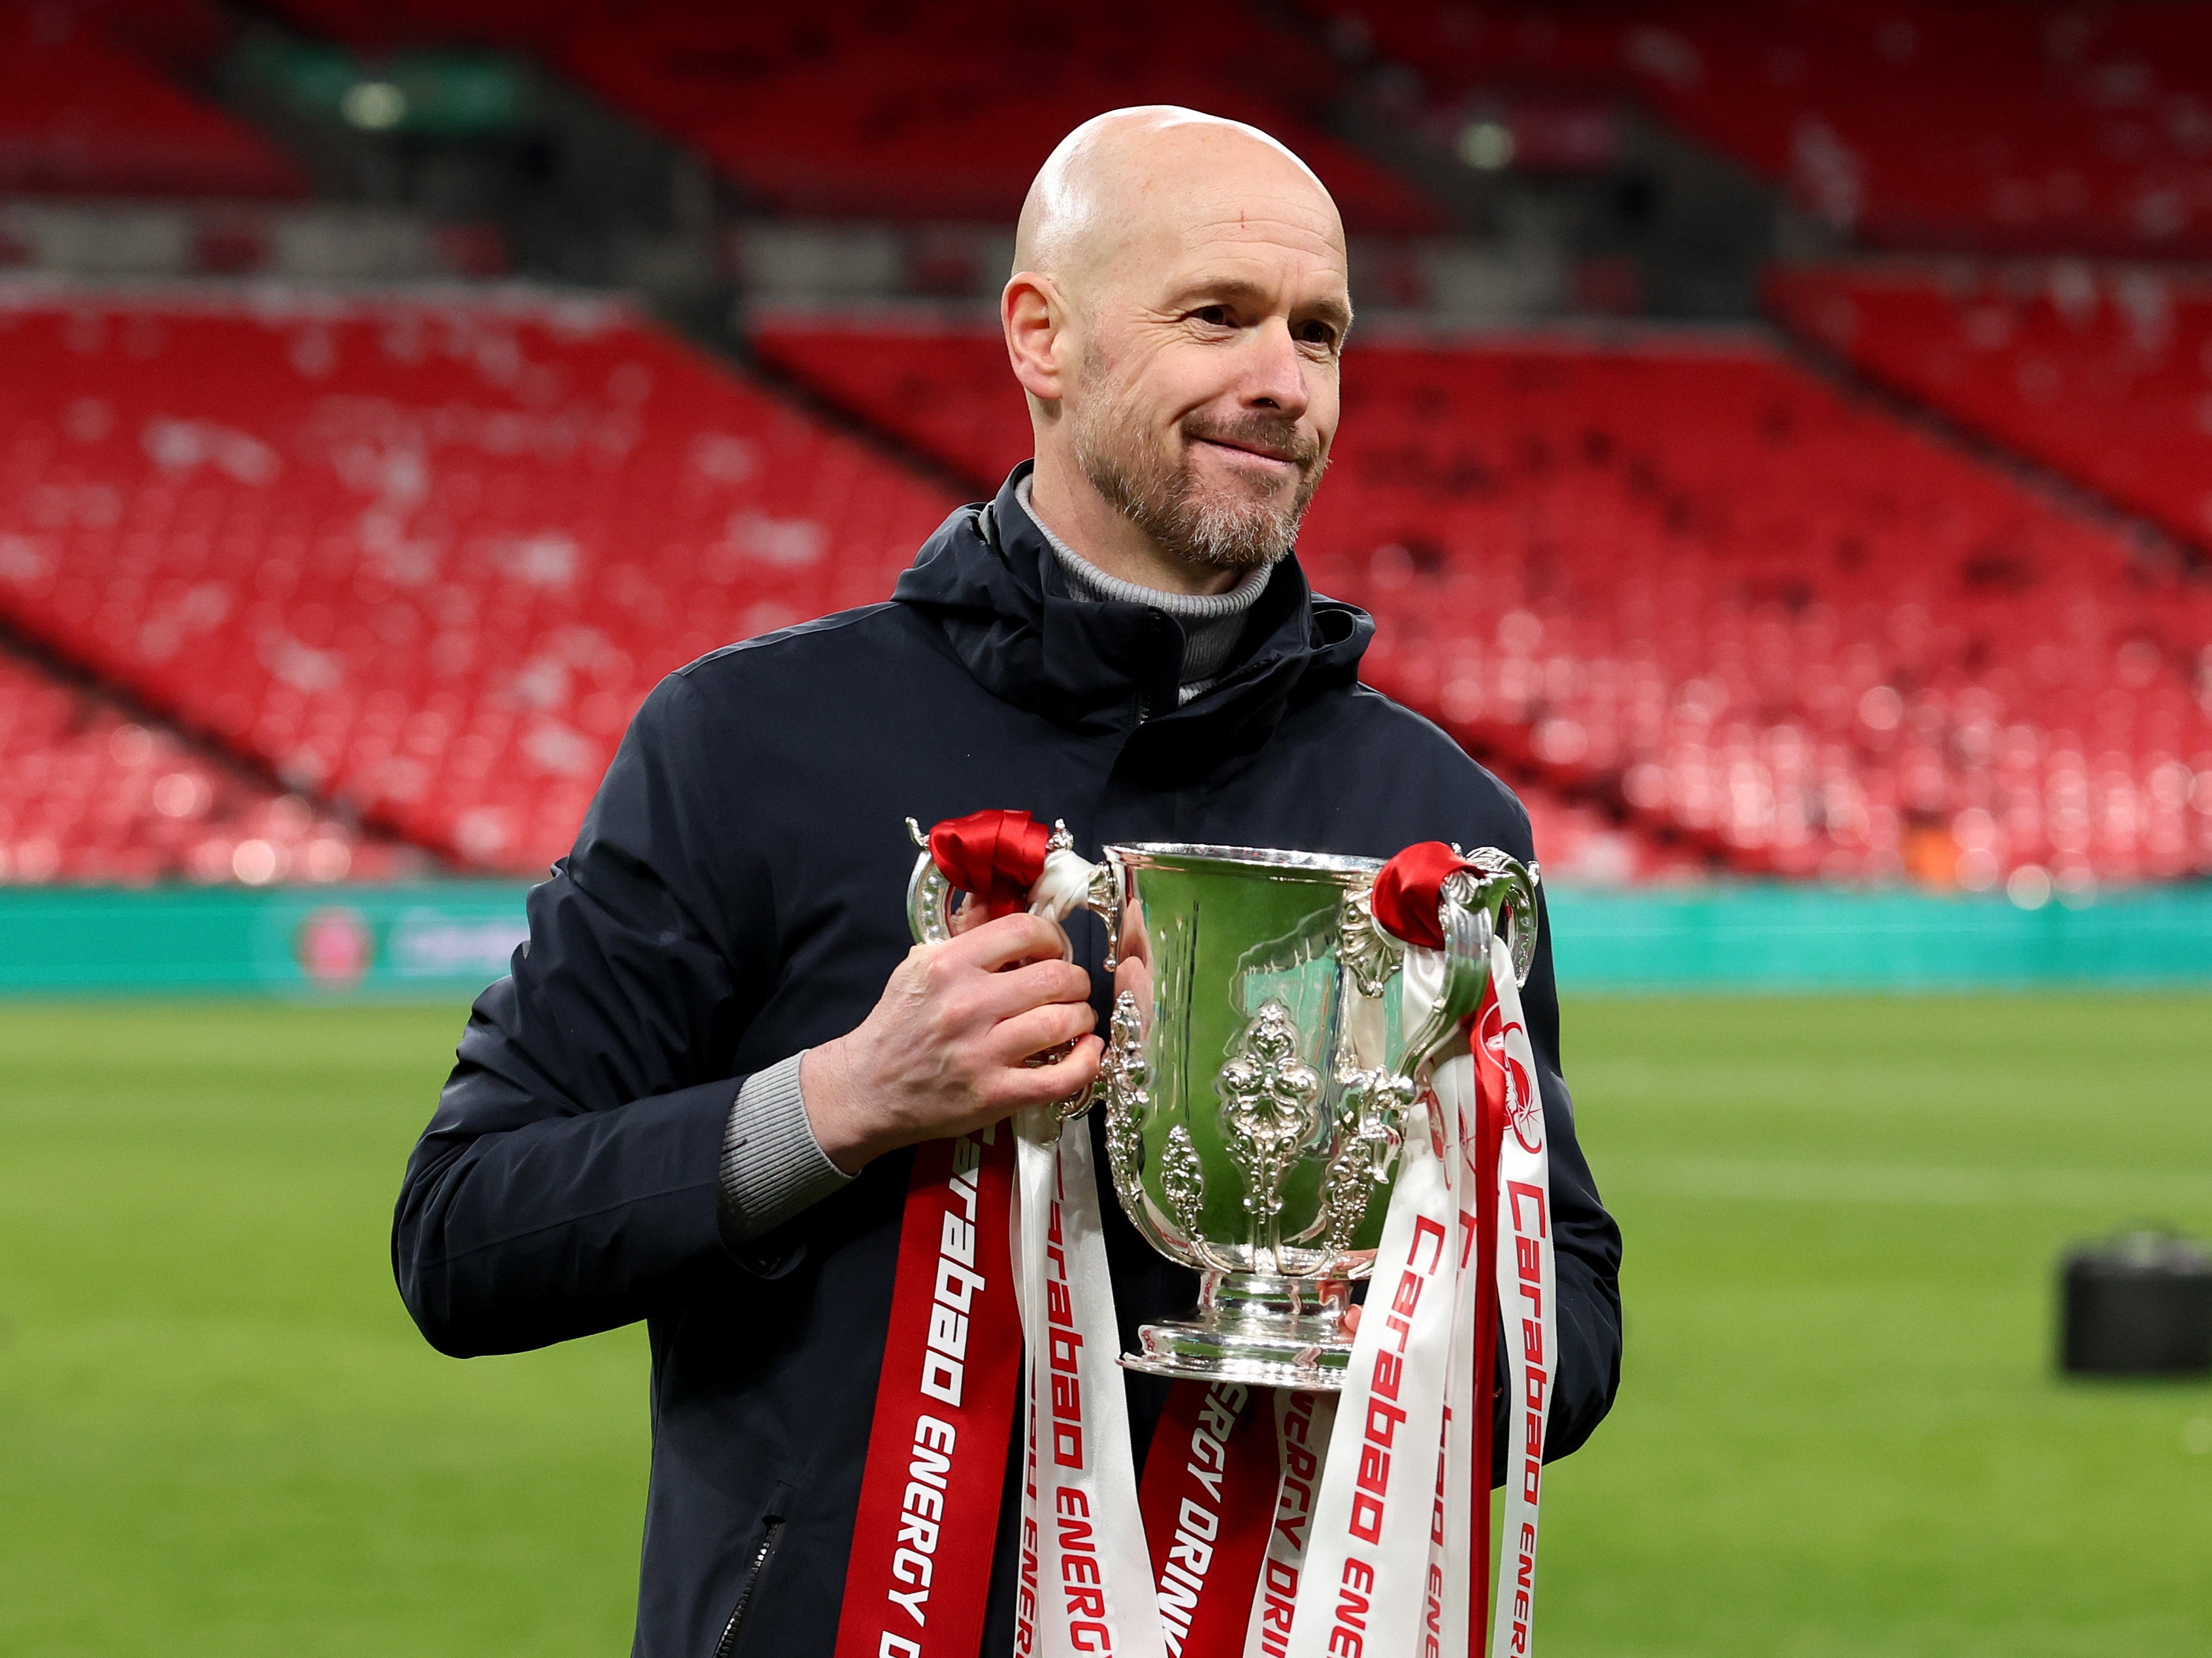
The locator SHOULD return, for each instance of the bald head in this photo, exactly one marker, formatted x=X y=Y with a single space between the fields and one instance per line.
x=1176 y=314
x=1122 y=181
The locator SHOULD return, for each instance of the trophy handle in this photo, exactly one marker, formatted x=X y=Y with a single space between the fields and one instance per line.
x=1507 y=888
x=929 y=896
x=1078 y=886
x=1473 y=905
x=1467 y=928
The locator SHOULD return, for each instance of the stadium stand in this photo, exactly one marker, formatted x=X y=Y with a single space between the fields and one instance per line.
x=80 y=114
x=1932 y=124
x=89 y=793
x=1767 y=616
x=911 y=112
x=422 y=555
x=2103 y=374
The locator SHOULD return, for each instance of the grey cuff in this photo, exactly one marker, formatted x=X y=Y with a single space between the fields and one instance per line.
x=772 y=1165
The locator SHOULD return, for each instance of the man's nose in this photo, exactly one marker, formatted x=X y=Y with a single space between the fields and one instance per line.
x=1275 y=372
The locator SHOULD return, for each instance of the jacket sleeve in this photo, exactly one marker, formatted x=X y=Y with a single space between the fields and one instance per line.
x=1585 y=1242
x=568 y=1178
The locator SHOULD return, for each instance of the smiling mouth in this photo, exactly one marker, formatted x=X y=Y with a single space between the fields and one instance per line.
x=1272 y=457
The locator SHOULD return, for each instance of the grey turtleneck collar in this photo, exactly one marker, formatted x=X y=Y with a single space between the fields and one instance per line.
x=1211 y=623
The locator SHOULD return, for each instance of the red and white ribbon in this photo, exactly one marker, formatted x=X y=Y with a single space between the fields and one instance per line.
x=1208 y=1496
x=1302 y=1423
x=944 y=1405
x=1086 y=1584
x=1527 y=1285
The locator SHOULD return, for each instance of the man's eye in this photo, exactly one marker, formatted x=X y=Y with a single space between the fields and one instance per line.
x=1318 y=333
x=1214 y=316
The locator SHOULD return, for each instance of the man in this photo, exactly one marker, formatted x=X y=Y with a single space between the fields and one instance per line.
x=691 y=1101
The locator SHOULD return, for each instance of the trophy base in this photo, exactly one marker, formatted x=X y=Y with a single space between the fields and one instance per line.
x=1265 y=1331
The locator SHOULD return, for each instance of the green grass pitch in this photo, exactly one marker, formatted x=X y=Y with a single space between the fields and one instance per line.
x=1838 y=1434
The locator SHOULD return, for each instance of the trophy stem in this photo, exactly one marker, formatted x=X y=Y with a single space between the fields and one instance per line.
x=1251 y=1328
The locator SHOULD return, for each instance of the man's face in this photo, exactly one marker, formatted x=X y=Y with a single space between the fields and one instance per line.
x=1207 y=395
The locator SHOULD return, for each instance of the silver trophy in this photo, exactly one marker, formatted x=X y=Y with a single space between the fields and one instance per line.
x=1258 y=1080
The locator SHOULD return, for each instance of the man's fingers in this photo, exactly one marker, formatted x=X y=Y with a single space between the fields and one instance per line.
x=1041 y=984
x=1024 y=938
x=1014 y=1039
x=1044 y=1083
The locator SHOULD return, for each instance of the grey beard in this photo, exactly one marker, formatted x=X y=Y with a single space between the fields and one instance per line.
x=1163 y=500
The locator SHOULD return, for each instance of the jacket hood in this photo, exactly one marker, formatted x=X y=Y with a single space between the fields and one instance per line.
x=988 y=580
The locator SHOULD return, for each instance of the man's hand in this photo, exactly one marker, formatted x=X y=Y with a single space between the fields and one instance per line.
x=943 y=1051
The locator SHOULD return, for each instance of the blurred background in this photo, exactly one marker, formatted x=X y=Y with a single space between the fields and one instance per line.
x=1777 y=439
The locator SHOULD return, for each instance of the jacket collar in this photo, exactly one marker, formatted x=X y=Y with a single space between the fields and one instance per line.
x=988 y=580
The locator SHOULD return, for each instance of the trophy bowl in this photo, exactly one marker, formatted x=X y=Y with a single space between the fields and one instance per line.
x=1258 y=1082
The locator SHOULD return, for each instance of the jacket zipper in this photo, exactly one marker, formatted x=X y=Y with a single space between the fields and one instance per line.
x=771 y=1531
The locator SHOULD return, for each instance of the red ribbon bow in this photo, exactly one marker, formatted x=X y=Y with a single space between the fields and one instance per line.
x=997 y=856
x=1408 y=888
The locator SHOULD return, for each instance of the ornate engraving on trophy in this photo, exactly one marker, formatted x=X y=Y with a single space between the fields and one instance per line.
x=1127 y=1093
x=1182 y=1179
x=1271 y=1106
x=1371 y=1108
x=1371 y=957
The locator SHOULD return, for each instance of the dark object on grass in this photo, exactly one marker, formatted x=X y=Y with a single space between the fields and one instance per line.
x=2139 y=1304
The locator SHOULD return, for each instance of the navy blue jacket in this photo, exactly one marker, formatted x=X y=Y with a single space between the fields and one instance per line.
x=736 y=894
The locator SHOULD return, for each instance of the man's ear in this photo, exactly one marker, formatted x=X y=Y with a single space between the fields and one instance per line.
x=1035 y=324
